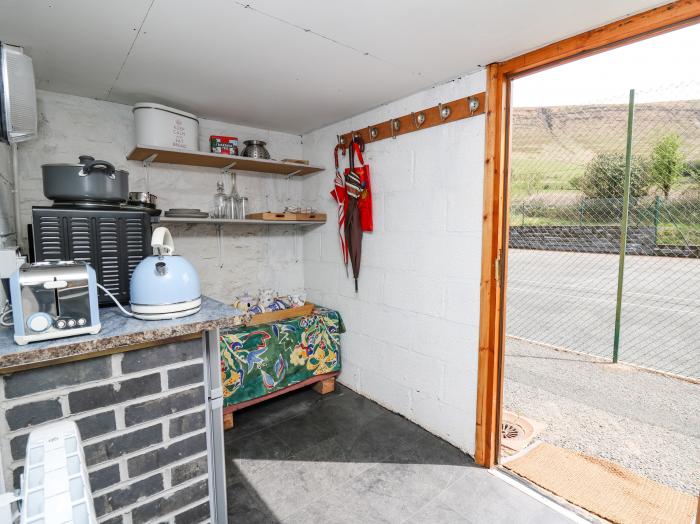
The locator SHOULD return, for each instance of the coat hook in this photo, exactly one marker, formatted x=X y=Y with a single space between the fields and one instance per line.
x=373 y=133
x=473 y=104
x=444 y=111
x=395 y=126
x=418 y=119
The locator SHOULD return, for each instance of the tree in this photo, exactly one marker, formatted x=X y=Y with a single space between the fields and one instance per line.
x=604 y=177
x=692 y=170
x=667 y=163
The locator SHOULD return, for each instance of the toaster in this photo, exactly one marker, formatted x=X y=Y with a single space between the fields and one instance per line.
x=54 y=299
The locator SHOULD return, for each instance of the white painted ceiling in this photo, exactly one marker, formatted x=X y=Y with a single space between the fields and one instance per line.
x=281 y=64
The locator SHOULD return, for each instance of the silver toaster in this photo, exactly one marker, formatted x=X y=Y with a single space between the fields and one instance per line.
x=53 y=300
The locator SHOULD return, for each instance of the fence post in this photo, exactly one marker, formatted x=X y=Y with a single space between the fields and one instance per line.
x=623 y=226
x=657 y=205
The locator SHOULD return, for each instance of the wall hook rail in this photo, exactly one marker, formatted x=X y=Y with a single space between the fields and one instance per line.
x=442 y=113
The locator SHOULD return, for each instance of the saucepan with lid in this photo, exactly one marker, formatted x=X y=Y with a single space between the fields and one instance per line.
x=88 y=180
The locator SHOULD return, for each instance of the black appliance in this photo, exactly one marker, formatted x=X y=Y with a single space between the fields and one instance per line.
x=112 y=239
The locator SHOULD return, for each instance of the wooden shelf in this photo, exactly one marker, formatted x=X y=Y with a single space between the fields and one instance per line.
x=168 y=155
x=247 y=221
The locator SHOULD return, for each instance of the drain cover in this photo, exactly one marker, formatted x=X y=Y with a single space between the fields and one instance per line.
x=510 y=431
x=517 y=431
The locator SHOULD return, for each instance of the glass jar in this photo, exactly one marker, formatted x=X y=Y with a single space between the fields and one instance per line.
x=219 y=205
x=233 y=202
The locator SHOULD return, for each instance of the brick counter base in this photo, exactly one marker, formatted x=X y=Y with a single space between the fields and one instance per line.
x=141 y=418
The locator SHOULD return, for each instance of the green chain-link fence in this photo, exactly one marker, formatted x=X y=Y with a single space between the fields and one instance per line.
x=567 y=191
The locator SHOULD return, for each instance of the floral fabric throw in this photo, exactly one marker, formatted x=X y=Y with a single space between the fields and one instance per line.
x=259 y=360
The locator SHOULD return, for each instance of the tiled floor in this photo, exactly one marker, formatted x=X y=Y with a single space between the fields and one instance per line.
x=303 y=458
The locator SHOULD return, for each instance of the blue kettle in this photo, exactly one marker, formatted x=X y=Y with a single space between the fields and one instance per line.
x=164 y=285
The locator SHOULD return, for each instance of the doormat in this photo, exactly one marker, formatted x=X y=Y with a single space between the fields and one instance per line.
x=602 y=487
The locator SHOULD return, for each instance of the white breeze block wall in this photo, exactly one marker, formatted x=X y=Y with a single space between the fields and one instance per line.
x=412 y=330
x=251 y=257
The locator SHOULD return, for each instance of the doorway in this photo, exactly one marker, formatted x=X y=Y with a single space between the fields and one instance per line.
x=601 y=351
x=539 y=202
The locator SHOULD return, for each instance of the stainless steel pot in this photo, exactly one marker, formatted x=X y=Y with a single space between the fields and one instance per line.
x=255 y=149
x=90 y=180
x=143 y=197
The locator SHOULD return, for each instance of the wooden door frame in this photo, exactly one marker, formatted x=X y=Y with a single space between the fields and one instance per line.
x=496 y=195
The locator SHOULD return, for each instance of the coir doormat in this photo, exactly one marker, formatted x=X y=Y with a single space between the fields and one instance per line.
x=603 y=488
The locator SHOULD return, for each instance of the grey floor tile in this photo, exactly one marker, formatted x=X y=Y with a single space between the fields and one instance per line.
x=341 y=458
x=436 y=513
x=333 y=461
x=244 y=505
x=302 y=432
x=254 y=451
x=275 y=410
x=288 y=485
x=482 y=497
x=393 y=491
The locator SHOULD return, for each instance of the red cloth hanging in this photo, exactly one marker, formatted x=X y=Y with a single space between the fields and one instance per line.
x=365 y=197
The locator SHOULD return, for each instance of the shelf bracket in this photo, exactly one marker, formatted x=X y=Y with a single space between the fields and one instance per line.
x=293 y=173
x=149 y=160
x=227 y=169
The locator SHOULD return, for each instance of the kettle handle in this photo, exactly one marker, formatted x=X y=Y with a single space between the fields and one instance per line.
x=162 y=241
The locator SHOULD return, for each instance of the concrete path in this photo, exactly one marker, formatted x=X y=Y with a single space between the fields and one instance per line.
x=642 y=420
x=568 y=300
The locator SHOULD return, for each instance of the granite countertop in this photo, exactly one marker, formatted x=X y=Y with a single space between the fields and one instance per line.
x=117 y=331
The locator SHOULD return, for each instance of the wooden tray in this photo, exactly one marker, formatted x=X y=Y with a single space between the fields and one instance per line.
x=280 y=217
x=272 y=316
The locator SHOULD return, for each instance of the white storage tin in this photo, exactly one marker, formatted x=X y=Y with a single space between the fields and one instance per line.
x=159 y=125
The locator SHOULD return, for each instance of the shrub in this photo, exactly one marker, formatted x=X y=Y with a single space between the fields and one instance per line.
x=604 y=177
x=692 y=170
x=667 y=163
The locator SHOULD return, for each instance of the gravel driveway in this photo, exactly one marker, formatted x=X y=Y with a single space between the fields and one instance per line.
x=644 y=421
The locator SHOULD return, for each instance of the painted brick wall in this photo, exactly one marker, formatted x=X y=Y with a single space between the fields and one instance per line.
x=142 y=425
x=412 y=340
x=251 y=257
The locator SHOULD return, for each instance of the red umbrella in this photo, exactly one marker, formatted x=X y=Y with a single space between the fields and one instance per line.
x=339 y=194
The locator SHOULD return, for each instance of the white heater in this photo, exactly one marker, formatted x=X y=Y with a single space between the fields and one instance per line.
x=56 y=487
x=18 y=114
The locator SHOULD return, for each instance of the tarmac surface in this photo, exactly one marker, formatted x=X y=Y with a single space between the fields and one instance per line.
x=567 y=299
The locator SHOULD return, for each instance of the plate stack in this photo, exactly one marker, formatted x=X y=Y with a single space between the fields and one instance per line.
x=186 y=213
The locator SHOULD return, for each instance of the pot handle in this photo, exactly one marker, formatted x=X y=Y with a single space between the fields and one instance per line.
x=162 y=241
x=92 y=164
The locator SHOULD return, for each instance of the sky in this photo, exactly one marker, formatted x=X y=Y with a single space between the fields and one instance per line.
x=665 y=67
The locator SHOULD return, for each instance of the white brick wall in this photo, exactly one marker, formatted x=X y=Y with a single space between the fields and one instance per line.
x=252 y=257
x=412 y=341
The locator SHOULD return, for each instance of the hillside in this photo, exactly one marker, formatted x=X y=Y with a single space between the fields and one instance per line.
x=551 y=145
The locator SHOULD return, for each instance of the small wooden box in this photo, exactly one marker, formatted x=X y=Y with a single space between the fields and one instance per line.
x=272 y=316
x=281 y=217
